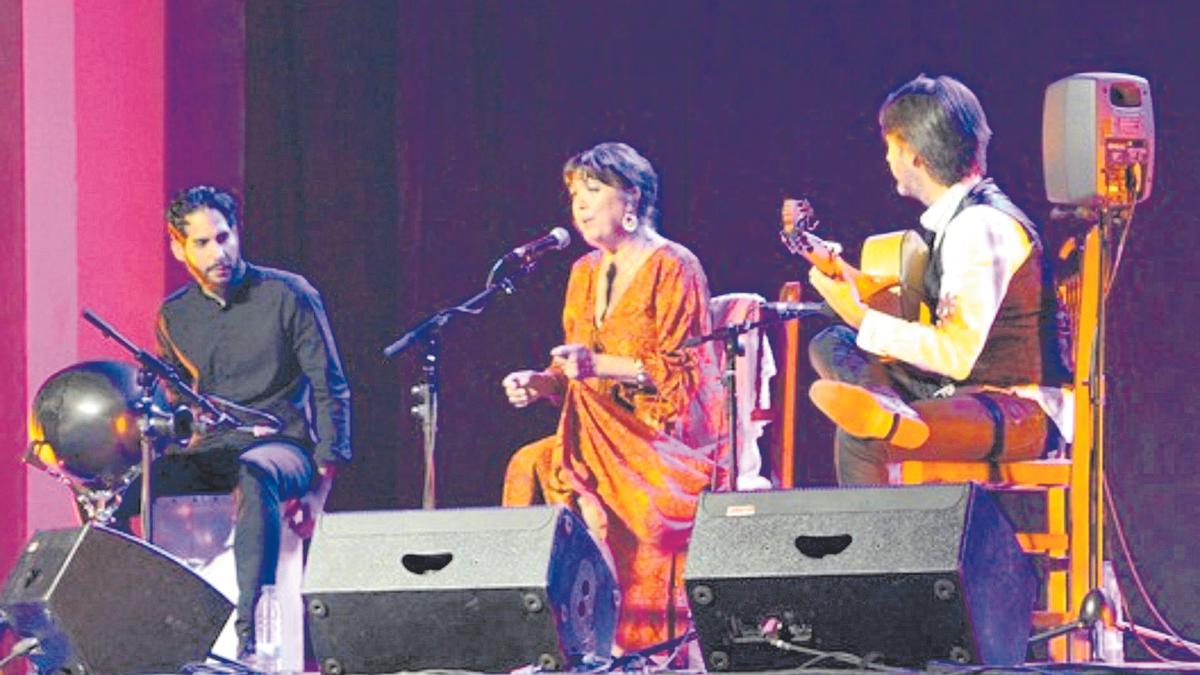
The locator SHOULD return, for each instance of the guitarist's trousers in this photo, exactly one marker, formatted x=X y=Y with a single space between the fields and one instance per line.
x=982 y=425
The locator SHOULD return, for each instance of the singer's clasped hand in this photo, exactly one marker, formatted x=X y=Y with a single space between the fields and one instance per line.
x=575 y=361
x=524 y=387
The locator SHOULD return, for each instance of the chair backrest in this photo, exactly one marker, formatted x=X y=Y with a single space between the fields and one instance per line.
x=753 y=372
x=785 y=409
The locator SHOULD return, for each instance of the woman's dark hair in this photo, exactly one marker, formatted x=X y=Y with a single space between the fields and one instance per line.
x=620 y=166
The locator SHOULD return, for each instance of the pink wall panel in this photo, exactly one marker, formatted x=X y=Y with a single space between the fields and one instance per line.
x=119 y=117
x=93 y=96
x=50 y=222
x=12 y=289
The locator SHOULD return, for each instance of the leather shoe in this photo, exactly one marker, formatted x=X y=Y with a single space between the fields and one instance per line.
x=868 y=414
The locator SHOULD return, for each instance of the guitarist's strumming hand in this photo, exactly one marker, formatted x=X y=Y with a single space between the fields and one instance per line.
x=841 y=295
x=843 y=286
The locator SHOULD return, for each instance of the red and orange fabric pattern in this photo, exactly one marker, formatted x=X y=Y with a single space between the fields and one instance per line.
x=631 y=462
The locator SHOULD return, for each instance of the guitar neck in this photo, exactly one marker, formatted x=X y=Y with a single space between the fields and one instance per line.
x=827 y=258
x=798 y=222
x=821 y=255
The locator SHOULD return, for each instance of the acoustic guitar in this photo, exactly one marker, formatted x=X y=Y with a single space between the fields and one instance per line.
x=892 y=269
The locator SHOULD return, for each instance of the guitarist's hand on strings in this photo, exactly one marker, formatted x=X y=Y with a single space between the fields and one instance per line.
x=841 y=285
x=841 y=295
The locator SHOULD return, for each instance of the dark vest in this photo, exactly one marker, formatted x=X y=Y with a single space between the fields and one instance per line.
x=1023 y=346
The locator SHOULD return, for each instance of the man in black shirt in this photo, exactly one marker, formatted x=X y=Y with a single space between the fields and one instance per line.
x=256 y=338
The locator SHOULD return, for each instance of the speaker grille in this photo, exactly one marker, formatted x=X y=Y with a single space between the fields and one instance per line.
x=899 y=575
x=105 y=602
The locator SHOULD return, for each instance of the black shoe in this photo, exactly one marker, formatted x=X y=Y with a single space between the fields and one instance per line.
x=246 y=647
x=248 y=660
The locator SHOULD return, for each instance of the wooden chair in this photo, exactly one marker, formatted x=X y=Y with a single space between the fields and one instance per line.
x=753 y=371
x=784 y=402
x=1066 y=540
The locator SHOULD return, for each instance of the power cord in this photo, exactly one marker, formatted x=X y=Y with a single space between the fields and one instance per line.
x=637 y=660
x=769 y=634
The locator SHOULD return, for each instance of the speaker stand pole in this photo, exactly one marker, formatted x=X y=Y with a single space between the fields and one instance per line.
x=1110 y=217
x=733 y=350
x=146 y=379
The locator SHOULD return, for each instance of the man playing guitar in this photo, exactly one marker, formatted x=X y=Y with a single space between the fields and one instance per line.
x=980 y=380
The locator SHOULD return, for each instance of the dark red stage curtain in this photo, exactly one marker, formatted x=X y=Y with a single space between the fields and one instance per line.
x=320 y=199
x=204 y=105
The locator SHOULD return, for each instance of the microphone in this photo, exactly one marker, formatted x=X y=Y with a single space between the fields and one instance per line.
x=556 y=240
x=797 y=309
x=176 y=425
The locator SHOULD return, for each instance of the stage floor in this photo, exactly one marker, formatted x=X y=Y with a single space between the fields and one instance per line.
x=942 y=669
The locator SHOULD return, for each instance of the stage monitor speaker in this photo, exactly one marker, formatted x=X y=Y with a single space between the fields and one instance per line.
x=489 y=590
x=1098 y=140
x=100 y=602
x=897 y=576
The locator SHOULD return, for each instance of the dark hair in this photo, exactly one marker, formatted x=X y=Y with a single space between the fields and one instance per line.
x=942 y=121
x=199 y=197
x=620 y=166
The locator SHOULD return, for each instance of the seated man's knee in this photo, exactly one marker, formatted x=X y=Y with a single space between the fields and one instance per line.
x=280 y=466
x=824 y=346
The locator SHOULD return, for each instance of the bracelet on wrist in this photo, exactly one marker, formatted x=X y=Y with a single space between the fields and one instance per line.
x=641 y=378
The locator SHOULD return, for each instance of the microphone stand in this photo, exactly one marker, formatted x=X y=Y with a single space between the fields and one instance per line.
x=426 y=333
x=730 y=337
x=153 y=368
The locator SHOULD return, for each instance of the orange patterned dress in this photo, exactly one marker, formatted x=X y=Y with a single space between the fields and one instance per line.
x=632 y=463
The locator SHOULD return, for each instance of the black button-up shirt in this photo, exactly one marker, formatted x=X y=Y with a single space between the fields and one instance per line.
x=269 y=347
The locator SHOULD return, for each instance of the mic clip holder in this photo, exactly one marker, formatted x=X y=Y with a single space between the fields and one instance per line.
x=525 y=258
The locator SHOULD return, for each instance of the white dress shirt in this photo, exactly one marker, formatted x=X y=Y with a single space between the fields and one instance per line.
x=979 y=254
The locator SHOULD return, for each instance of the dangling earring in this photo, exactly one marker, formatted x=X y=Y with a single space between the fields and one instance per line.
x=629 y=222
